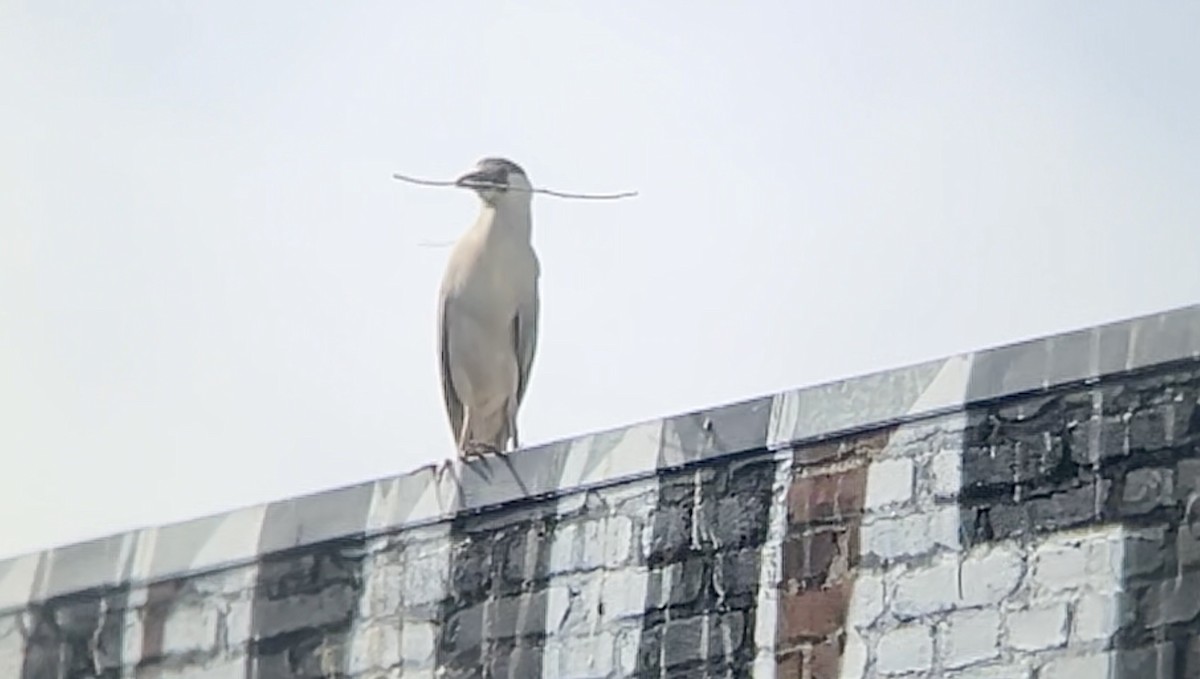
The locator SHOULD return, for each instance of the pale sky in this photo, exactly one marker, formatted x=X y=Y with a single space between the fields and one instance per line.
x=212 y=293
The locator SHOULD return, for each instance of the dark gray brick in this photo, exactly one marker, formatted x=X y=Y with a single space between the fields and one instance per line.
x=680 y=582
x=463 y=631
x=1148 y=428
x=1098 y=440
x=1070 y=508
x=1151 y=662
x=517 y=616
x=1191 y=657
x=1147 y=489
x=514 y=552
x=1171 y=601
x=987 y=465
x=739 y=521
x=471 y=567
x=1144 y=554
x=271 y=666
x=1187 y=544
x=335 y=604
x=515 y=661
x=80 y=635
x=650 y=650
x=730 y=629
x=739 y=572
x=682 y=641
x=671 y=534
x=1187 y=479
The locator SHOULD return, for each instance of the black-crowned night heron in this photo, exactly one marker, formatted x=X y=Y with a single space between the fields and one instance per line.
x=488 y=312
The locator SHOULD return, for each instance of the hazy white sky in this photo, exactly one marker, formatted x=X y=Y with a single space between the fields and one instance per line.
x=212 y=292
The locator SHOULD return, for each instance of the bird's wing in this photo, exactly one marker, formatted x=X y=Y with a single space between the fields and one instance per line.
x=525 y=334
x=454 y=407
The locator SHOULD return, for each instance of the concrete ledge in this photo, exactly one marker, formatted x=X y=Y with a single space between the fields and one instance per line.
x=430 y=495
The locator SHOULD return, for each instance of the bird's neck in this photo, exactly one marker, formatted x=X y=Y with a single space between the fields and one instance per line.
x=506 y=222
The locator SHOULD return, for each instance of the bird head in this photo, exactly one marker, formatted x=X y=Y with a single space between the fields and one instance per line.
x=494 y=178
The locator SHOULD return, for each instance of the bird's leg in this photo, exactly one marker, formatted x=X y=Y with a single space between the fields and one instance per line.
x=510 y=413
x=447 y=467
x=478 y=449
x=466 y=426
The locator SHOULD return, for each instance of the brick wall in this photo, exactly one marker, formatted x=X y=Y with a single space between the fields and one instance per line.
x=1022 y=512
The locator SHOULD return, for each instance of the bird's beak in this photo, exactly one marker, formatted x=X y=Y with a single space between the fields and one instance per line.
x=480 y=179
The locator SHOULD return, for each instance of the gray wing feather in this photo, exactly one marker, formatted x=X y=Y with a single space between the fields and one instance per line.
x=525 y=334
x=454 y=408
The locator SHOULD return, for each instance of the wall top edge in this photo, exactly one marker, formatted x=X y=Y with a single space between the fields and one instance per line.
x=437 y=492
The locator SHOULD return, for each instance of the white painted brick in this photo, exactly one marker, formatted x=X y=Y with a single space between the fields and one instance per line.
x=889 y=482
x=854 y=657
x=990 y=574
x=417 y=642
x=558 y=603
x=382 y=595
x=426 y=572
x=994 y=672
x=12 y=647
x=215 y=669
x=581 y=614
x=946 y=472
x=926 y=590
x=607 y=542
x=866 y=603
x=904 y=649
x=590 y=545
x=895 y=538
x=1038 y=627
x=619 y=541
x=226 y=581
x=1083 y=667
x=1098 y=617
x=238 y=623
x=623 y=593
x=628 y=641
x=944 y=525
x=131 y=637
x=1090 y=561
x=375 y=645
x=589 y=657
x=562 y=550
x=190 y=629
x=1057 y=567
x=918 y=436
x=969 y=637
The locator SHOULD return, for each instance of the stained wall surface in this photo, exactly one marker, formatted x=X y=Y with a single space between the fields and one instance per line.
x=1022 y=512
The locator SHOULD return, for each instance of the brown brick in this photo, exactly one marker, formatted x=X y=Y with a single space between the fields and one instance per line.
x=813 y=614
x=825 y=659
x=825 y=451
x=870 y=444
x=790 y=665
x=827 y=496
x=807 y=557
x=853 y=545
x=866 y=444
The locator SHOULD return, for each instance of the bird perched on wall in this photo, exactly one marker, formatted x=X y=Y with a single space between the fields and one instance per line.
x=488 y=312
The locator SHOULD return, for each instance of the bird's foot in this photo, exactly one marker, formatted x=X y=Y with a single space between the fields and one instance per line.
x=479 y=449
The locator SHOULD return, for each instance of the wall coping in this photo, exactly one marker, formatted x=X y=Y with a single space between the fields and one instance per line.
x=431 y=493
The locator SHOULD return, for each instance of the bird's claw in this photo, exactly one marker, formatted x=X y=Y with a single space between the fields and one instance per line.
x=477 y=449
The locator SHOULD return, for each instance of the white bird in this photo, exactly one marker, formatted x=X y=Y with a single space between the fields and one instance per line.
x=488 y=312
